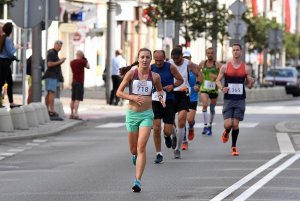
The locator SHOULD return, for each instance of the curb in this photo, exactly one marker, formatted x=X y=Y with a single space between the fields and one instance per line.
x=43 y=134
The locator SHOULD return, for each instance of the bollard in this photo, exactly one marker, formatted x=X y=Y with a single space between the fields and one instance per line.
x=45 y=112
x=6 y=124
x=58 y=107
x=39 y=113
x=31 y=115
x=18 y=118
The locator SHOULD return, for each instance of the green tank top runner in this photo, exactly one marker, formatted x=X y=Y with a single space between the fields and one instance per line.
x=208 y=85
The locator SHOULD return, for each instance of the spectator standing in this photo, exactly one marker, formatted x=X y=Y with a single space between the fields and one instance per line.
x=77 y=66
x=7 y=51
x=52 y=77
x=117 y=62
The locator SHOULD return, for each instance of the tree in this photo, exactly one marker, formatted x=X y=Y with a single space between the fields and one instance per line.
x=292 y=47
x=195 y=17
x=257 y=34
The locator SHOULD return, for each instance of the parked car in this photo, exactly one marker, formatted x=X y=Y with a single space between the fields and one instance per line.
x=284 y=76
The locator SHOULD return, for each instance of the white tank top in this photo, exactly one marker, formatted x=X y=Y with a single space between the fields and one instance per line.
x=183 y=70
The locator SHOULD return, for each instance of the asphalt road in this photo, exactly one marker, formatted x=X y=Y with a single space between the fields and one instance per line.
x=92 y=162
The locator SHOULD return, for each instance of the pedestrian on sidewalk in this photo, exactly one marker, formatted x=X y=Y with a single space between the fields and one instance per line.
x=167 y=74
x=236 y=74
x=77 y=66
x=7 y=51
x=209 y=90
x=195 y=87
x=117 y=62
x=139 y=116
x=52 y=77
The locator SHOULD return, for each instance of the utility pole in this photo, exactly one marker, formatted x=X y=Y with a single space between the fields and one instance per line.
x=265 y=50
x=110 y=46
x=297 y=31
x=36 y=69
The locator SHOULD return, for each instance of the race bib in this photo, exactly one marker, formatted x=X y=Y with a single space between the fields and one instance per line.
x=209 y=85
x=155 y=96
x=141 y=87
x=236 y=89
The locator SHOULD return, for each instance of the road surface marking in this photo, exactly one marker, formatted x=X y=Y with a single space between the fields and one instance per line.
x=16 y=150
x=247 y=178
x=284 y=142
x=242 y=125
x=7 y=154
x=32 y=144
x=39 y=141
x=111 y=125
x=247 y=125
x=250 y=191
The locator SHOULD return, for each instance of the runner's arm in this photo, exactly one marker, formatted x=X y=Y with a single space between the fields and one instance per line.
x=219 y=79
x=250 y=80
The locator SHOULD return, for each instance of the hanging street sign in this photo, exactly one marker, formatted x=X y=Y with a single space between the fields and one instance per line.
x=238 y=8
x=237 y=29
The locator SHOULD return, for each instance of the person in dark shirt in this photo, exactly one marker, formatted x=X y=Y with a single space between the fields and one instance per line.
x=77 y=66
x=52 y=77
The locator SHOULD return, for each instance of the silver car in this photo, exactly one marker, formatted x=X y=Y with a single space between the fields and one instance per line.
x=284 y=76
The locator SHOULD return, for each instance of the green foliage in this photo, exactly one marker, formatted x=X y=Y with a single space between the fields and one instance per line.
x=257 y=34
x=196 y=16
x=290 y=43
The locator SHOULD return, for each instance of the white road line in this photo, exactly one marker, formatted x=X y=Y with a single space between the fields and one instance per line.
x=39 y=141
x=201 y=125
x=111 y=125
x=32 y=144
x=247 y=178
x=246 y=194
x=16 y=150
x=7 y=154
x=242 y=125
x=247 y=125
x=284 y=142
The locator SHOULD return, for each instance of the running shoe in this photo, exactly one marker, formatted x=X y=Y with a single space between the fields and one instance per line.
x=209 y=132
x=159 y=158
x=137 y=186
x=168 y=141
x=191 y=134
x=205 y=129
x=184 y=146
x=177 y=154
x=225 y=136
x=134 y=157
x=234 y=151
x=174 y=140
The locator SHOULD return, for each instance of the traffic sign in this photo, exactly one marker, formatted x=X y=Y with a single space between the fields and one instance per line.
x=36 y=13
x=274 y=39
x=237 y=28
x=166 y=28
x=238 y=8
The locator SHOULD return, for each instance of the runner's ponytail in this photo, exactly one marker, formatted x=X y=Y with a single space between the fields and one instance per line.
x=125 y=69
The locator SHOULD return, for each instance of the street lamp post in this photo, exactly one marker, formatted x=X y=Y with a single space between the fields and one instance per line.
x=110 y=46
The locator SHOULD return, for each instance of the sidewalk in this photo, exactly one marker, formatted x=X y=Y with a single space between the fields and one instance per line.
x=93 y=104
x=94 y=107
